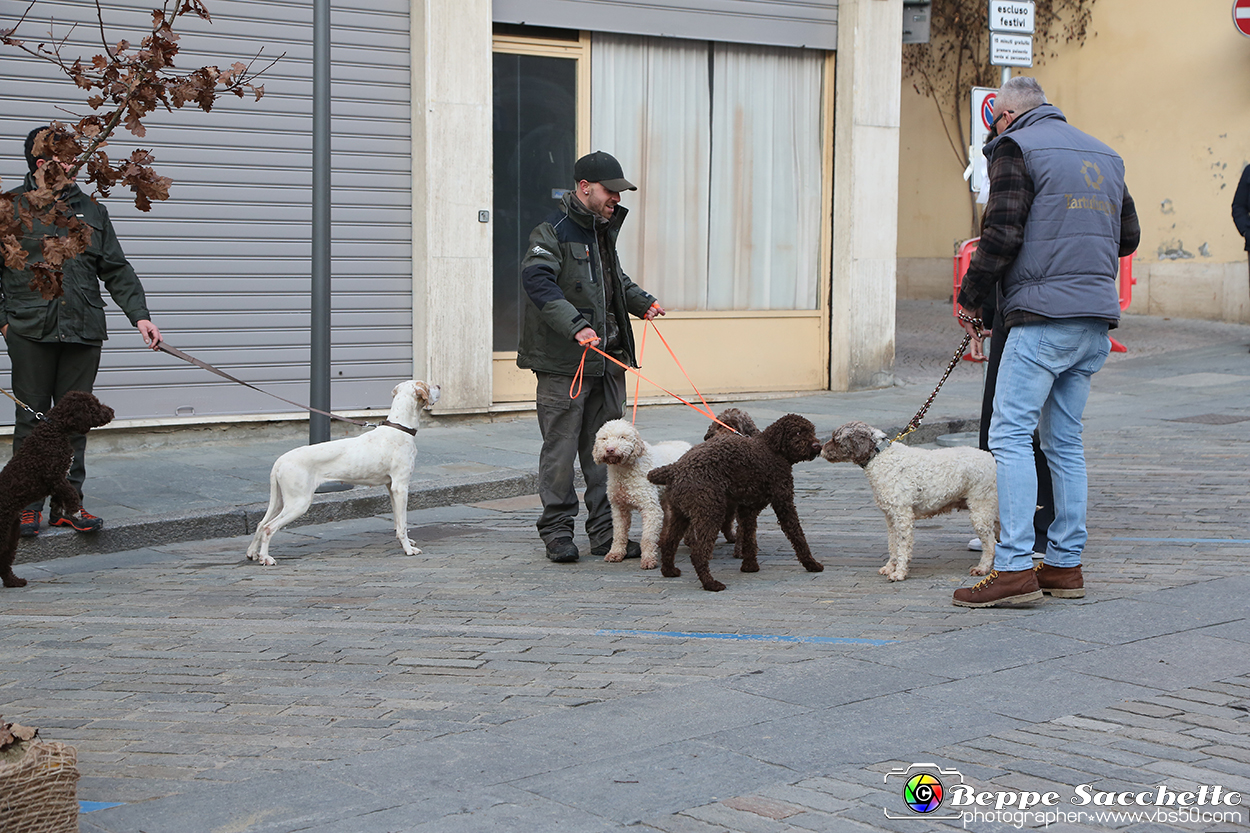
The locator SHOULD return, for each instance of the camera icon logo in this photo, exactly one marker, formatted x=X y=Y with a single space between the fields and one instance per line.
x=922 y=788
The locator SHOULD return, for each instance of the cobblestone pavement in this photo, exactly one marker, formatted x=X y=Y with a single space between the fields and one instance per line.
x=478 y=687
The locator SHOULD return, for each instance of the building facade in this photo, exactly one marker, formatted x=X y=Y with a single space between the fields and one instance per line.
x=763 y=135
x=1136 y=84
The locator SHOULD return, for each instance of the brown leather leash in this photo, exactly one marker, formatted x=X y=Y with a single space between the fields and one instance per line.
x=963 y=345
x=178 y=354
x=36 y=414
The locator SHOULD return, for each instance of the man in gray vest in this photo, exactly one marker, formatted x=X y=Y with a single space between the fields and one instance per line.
x=1058 y=219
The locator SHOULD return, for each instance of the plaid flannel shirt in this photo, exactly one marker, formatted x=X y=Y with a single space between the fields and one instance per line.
x=1002 y=231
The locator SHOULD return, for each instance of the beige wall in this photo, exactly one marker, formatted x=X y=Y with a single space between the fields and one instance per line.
x=1166 y=84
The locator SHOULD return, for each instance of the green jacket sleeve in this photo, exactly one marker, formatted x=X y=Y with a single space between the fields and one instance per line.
x=117 y=275
x=540 y=271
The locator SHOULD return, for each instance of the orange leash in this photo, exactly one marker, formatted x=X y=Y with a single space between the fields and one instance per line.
x=638 y=384
x=581 y=370
x=679 y=367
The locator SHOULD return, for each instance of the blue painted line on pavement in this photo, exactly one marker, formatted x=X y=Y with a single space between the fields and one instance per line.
x=92 y=806
x=1189 y=540
x=750 y=637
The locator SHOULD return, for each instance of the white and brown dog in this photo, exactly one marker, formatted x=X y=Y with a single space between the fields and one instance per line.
x=381 y=457
x=620 y=447
x=910 y=483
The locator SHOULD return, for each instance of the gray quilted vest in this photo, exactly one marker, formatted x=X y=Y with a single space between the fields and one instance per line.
x=1068 y=262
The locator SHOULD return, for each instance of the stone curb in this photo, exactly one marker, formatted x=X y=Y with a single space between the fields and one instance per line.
x=230 y=521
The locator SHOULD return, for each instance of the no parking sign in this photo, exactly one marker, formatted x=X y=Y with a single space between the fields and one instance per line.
x=982 y=118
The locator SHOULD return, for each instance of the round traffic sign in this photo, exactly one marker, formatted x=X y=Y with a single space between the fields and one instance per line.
x=987 y=109
x=1241 y=16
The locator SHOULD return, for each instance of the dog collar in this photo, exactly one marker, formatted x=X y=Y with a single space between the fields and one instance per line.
x=882 y=445
x=404 y=428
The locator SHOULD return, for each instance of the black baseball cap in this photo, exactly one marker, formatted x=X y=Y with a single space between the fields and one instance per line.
x=602 y=168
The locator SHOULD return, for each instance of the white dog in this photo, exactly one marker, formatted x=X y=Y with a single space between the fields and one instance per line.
x=910 y=483
x=383 y=456
x=628 y=458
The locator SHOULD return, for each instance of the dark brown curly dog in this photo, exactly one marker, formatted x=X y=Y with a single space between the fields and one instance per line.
x=754 y=472
x=740 y=421
x=40 y=468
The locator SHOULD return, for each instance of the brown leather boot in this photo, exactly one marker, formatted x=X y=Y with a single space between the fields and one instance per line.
x=1061 y=582
x=1006 y=588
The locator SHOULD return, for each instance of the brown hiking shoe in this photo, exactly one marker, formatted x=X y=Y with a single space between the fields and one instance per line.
x=1007 y=588
x=1061 y=582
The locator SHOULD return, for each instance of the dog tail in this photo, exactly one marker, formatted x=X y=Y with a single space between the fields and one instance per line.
x=662 y=475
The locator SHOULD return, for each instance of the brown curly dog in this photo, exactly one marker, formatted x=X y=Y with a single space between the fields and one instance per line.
x=740 y=421
x=40 y=468
x=753 y=472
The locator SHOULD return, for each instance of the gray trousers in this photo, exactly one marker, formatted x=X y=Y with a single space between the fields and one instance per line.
x=43 y=372
x=568 y=427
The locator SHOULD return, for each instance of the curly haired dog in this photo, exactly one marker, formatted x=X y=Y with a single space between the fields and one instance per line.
x=740 y=421
x=753 y=472
x=40 y=469
x=910 y=483
x=629 y=457
x=382 y=457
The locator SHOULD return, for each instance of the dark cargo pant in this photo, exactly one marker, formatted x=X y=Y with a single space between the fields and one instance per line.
x=568 y=427
x=43 y=372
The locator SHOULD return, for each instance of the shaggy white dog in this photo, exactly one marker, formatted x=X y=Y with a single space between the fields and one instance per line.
x=620 y=447
x=910 y=483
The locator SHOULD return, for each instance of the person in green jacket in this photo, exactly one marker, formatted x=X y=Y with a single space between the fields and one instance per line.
x=579 y=295
x=54 y=345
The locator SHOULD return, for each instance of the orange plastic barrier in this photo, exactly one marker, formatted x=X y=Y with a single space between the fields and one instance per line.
x=963 y=259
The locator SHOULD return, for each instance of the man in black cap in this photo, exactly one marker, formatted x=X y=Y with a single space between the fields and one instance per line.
x=579 y=295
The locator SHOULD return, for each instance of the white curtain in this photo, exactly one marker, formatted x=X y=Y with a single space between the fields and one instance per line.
x=764 y=238
x=649 y=109
x=724 y=143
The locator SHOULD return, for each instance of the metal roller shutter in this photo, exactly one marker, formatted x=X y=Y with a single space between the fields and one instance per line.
x=810 y=23
x=225 y=261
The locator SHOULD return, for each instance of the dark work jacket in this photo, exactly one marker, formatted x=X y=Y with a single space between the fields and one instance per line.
x=77 y=317
x=1069 y=258
x=1241 y=206
x=563 y=274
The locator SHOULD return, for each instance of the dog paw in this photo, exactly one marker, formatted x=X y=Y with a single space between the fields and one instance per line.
x=897 y=575
x=409 y=549
x=978 y=570
x=670 y=572
x=815 y=567
x=648 y=563
x=886 y=570
x=266 y=560
x=714 y=586
x=11 y=580
x=613 y=556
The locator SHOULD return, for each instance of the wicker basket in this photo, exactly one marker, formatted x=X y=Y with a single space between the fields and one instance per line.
x=38 y=786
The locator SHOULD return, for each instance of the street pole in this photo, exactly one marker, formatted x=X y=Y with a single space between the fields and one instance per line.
x=319 y=325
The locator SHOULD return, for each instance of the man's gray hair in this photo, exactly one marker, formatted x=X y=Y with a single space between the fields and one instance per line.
x=1021 y=94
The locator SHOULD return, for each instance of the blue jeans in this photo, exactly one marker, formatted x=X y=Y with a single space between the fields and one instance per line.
x=1043 y=384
